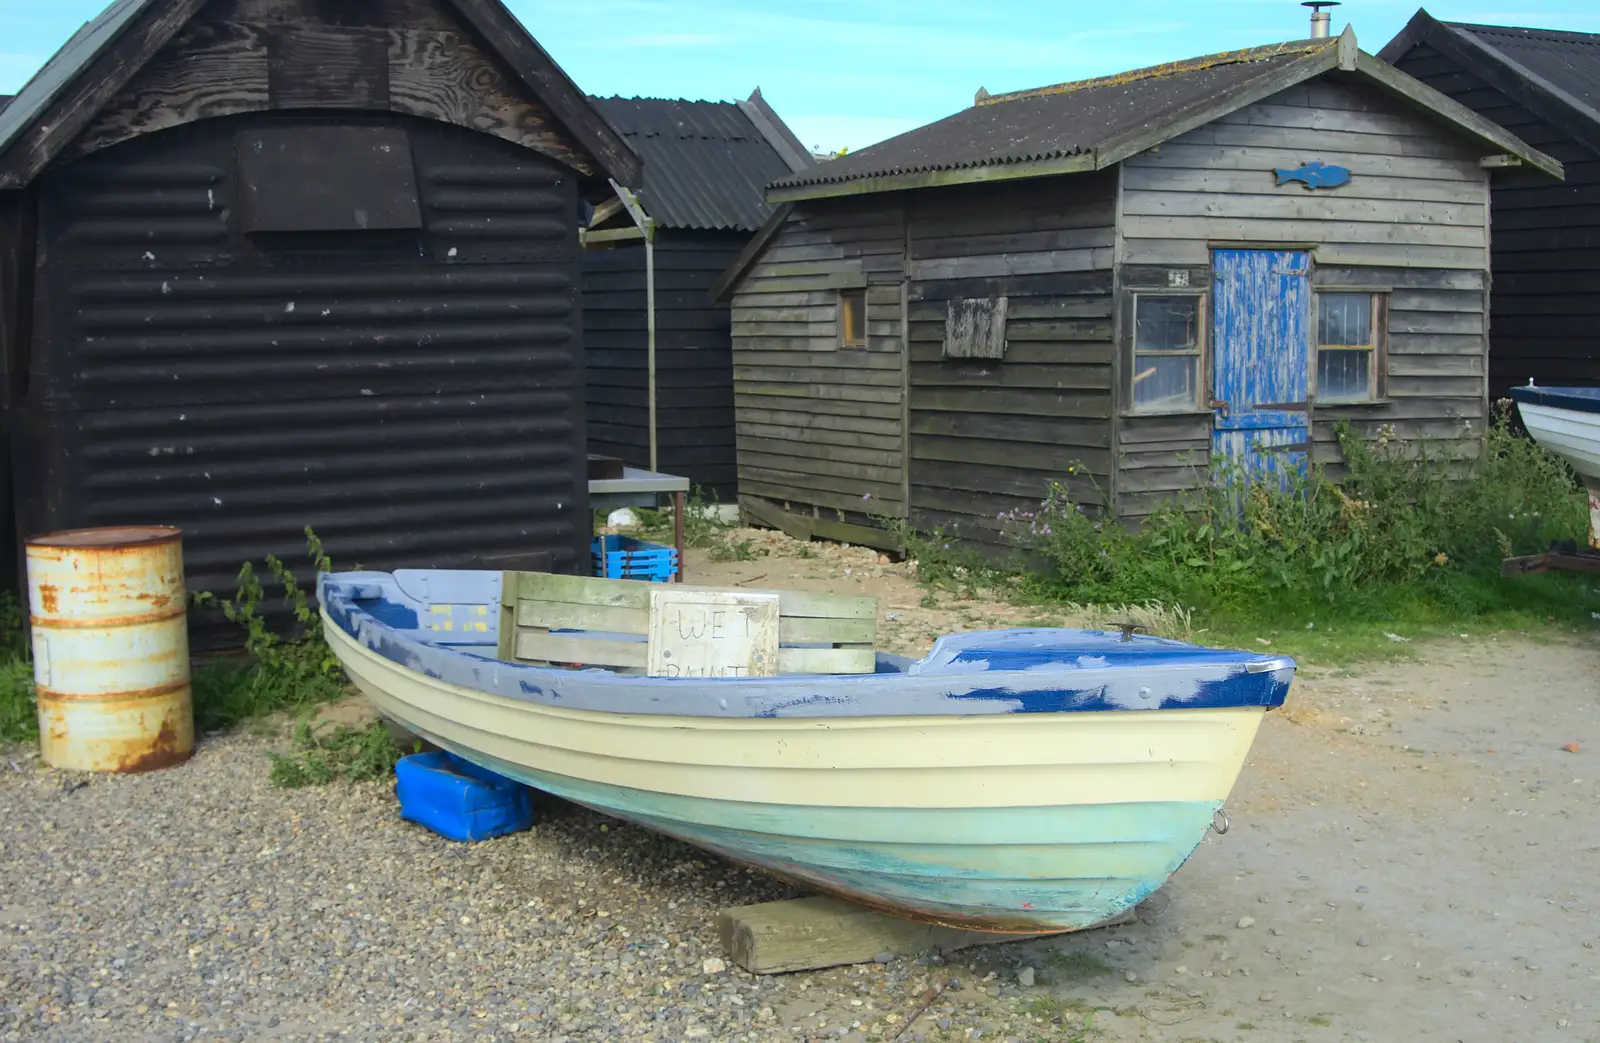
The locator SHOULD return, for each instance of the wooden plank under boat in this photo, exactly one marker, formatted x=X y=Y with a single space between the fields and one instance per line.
x=1022 y=781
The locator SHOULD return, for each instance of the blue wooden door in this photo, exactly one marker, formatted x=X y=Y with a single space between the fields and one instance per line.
x=1260 y=337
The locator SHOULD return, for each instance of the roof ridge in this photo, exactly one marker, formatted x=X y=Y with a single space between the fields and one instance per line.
x=1187 y=65
x=1564 y=35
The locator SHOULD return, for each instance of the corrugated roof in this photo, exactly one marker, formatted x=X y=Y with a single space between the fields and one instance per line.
x=57 y=74
x=706 y=165
x=1567 y=61
x=1064 y=120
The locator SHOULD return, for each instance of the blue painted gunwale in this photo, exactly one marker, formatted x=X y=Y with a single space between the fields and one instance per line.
x=992 y=672
x=1579 y=400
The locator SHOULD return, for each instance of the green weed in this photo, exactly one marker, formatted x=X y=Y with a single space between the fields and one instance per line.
x=277 y=672
x=1403 y=544
x=702 y=521
x=19 y=716
x=1079 y=966
x=317 y=758
x=732 y=550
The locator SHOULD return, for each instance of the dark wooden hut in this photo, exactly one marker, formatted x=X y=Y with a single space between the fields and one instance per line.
x=1544 y=86
x=660 y=360
x=1114 y=284
x=267 y=264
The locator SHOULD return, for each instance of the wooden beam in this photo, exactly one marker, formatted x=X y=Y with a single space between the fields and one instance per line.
x=503 y=35
x=1415 y=91
x=1210 y=107
x=608 y=235
x=88 y=91
x=1499 y=162
x=752 y=250
x=605 y=211
x=803 y=934
x=933 y=179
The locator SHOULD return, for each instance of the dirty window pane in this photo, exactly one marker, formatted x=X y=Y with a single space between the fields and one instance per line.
x=853 y=318
x=1165 y=382
x=1343 y=376
x=1344 y=318
x=1166 y=323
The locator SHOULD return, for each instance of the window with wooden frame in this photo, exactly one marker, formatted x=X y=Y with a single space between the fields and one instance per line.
x=1168 y=349
x=852 y=318
x=1350 y=346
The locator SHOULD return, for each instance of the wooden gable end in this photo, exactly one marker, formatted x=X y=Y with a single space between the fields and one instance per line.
x=410 y=56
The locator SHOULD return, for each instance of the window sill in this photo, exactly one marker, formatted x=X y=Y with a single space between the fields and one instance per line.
x=1131 y=414
x=1357 y=403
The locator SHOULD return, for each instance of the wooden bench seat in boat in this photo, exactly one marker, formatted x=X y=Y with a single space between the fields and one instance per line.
x=546 y=618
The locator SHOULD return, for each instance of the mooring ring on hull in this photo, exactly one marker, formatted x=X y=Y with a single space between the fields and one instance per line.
x=1219 y=821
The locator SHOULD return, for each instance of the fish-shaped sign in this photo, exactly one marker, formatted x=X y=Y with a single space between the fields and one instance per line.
x=1315 y=174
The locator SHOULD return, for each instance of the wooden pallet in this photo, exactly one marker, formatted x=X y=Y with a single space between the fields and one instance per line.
x=817 y=633
x=803 y=934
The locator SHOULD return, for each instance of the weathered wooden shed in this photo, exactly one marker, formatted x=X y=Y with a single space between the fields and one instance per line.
x=660 y=360
x=267 y=264
x=1141 y=274
x=1543 y=86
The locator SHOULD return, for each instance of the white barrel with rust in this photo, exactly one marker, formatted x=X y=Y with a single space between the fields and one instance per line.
x=111 y=648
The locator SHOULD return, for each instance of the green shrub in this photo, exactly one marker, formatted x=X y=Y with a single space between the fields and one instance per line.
x=277 y=672
x=1397 y=520
x=317 y=758
x=19 y=715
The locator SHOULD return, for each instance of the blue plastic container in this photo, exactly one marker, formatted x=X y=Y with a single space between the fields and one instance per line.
x=459 y=800
x=623 y=557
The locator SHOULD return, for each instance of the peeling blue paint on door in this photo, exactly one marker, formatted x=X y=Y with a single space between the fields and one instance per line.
x=1261 y=317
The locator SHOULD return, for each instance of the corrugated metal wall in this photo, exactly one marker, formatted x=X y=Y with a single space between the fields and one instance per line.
x=415 y=395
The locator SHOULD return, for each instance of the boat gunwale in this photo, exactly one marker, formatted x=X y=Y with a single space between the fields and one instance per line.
x=965 y=690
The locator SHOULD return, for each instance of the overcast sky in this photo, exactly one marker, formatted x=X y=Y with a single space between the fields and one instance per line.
x=846 y=73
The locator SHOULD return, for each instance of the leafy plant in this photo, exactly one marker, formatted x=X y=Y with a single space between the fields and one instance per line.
x=279 y=672
x=19 y=715
x=319 y=757
x=1406 y=530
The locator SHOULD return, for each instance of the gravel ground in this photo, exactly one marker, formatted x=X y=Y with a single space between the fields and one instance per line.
x=1411 y=858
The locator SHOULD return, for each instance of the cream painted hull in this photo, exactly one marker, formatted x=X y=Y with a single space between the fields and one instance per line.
x=1017 y=822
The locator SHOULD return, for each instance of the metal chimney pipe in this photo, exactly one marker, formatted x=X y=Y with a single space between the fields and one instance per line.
x=1320 y=19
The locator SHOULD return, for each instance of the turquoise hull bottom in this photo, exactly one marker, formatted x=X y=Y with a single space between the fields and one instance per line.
x=1020 y=870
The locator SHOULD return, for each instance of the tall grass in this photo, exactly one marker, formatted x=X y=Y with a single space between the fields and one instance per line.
x=1401 y=535
x=19 y=717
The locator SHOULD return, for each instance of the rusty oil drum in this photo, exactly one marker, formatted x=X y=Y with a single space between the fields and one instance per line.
x=111 y=648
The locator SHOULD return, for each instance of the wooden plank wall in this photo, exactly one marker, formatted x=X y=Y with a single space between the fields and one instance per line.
x=990 y=436
x=1544 y=246
x=1416 y=198
x=821 y=428
x=405 y=56
x=694 y=359
x=1412 y=220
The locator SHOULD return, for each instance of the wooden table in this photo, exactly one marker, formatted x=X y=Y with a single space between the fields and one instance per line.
x=640 y=488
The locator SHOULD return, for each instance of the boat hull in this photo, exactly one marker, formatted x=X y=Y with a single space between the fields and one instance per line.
x=1015 y=823
x=1571 y=434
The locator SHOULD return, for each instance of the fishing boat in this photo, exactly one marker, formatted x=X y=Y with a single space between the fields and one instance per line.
x=1025 y=781
x=1566 y=421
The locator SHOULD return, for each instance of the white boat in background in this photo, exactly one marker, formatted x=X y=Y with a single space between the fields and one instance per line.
x=1566 y=421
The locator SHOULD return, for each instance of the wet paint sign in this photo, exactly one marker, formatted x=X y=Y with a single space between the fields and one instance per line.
x=697 y=633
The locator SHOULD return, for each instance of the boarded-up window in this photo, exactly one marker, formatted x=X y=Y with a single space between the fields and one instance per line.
x=852 y=318
x=975 y=328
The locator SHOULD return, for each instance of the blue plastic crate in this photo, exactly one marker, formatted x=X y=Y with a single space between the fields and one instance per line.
x=623 y=557
x=459 y=800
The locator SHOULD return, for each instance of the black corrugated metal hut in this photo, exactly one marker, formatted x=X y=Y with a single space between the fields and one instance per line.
x=706 y=167
x=1115 y=284
x=267 y=264
x=1544 y=86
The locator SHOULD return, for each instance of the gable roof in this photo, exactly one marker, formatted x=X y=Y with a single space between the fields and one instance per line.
x=706 y=163
x=100 y=58
x=1092 y=124
x=1551 y=73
